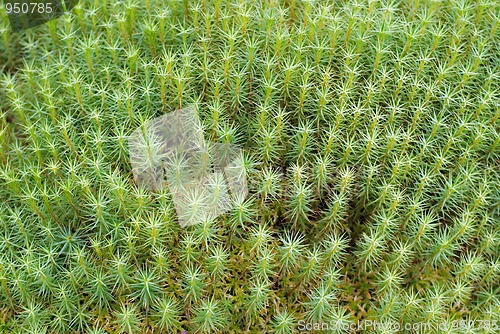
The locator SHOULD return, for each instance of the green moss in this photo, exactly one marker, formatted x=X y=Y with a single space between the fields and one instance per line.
x=371 y=132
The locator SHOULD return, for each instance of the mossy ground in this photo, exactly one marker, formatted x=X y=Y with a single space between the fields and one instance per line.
x=372 y=139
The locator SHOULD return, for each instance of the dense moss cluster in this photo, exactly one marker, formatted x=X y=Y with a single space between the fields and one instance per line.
x=372 y=139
